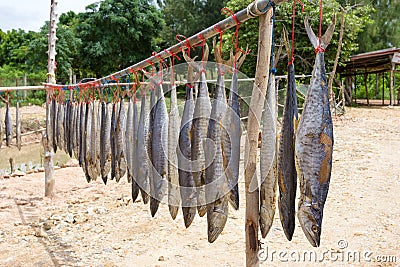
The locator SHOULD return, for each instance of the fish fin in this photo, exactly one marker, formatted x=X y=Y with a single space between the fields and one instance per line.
x=191 y=61
x=311 y=35
x=206 y=53
x=241 y=58
x=326 y=38
x=286 y=41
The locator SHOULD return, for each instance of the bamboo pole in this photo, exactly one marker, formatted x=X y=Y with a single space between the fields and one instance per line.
x=253 y=127
x=51 y=78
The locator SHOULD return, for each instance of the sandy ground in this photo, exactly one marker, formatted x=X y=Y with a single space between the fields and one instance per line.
x=97 y=225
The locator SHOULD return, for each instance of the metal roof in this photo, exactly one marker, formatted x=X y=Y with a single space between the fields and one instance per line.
x=371 y=62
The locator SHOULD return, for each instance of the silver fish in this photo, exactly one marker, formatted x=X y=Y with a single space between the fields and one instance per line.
x=133 y=152
x=216 y=184
x=187 y=185
x=198 y=132
x=173 y=136
x=159 y=151
x=120 y=146
x=142 y=159
x=105 y=144
x=287 y=176
x=268 y=159
x=314 y=144
x=232 y=132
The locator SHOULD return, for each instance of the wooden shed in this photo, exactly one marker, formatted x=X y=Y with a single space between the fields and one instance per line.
x=381 y=63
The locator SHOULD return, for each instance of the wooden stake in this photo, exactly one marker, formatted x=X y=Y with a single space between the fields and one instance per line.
x=366 y=87
x=383 y=89
x=51 y=78
x=377 y=86
x=253 y=127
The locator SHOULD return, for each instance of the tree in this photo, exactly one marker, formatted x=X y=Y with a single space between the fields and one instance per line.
x=118 y=33
x=188 y=17
x=356 y=19
x=384 y=31
x=67 y=48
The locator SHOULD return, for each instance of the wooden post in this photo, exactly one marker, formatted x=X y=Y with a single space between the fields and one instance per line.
x=74 y=79
x=391 y=84
x=51 y=78
x=355 y=88
x=253 y=127
x=383 y=89
x=366 y=87
x=377 y=86
x=48 y=167
x=343 y=98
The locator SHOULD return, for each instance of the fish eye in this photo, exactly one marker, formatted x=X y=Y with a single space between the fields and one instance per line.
x=315 y=228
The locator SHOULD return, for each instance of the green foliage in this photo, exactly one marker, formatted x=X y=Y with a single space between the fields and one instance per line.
x=356 y=18
x=118 y=33
x=384 y=32
x=188 y=17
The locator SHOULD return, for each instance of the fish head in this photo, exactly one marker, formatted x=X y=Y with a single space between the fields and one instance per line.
x=310 y=218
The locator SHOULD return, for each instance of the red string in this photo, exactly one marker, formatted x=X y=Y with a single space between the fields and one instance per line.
x=186 y=40
x=319 y=48
x=235 y=37
x=217 y=28
x=202 y=44
x=293 y=18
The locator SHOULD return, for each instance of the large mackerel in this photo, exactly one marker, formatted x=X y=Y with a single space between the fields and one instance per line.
x=314 y=143
x=173 y=135
x=198 y=133
x=159 y=151
x=287 y=176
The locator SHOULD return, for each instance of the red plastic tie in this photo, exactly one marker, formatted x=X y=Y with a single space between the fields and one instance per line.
x=217 y=28
x=186 y=40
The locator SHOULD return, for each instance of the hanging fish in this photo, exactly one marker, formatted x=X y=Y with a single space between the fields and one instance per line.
x=129 y=140
x=53 y=122
x=173 y=136
x=60 y=126
x=268 y=159
x=186 y=182
x=120 y=142
x=159 y=151
x=216 y=184
x=113 y=140
x=314 y=143
x=150 y=132
x=135 y=186
x=82 y=122
x=105 y=141
x=287 y=176
x=198 y=133
x=75 y=120
x=232 y=132
x=18 y=126
x=9 y=125
x=142 y=153
x=86 y=141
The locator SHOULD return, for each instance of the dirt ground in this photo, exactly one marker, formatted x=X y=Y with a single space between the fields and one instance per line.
x=97 y=225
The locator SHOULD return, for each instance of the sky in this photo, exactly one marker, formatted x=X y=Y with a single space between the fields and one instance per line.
x=32 y=14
